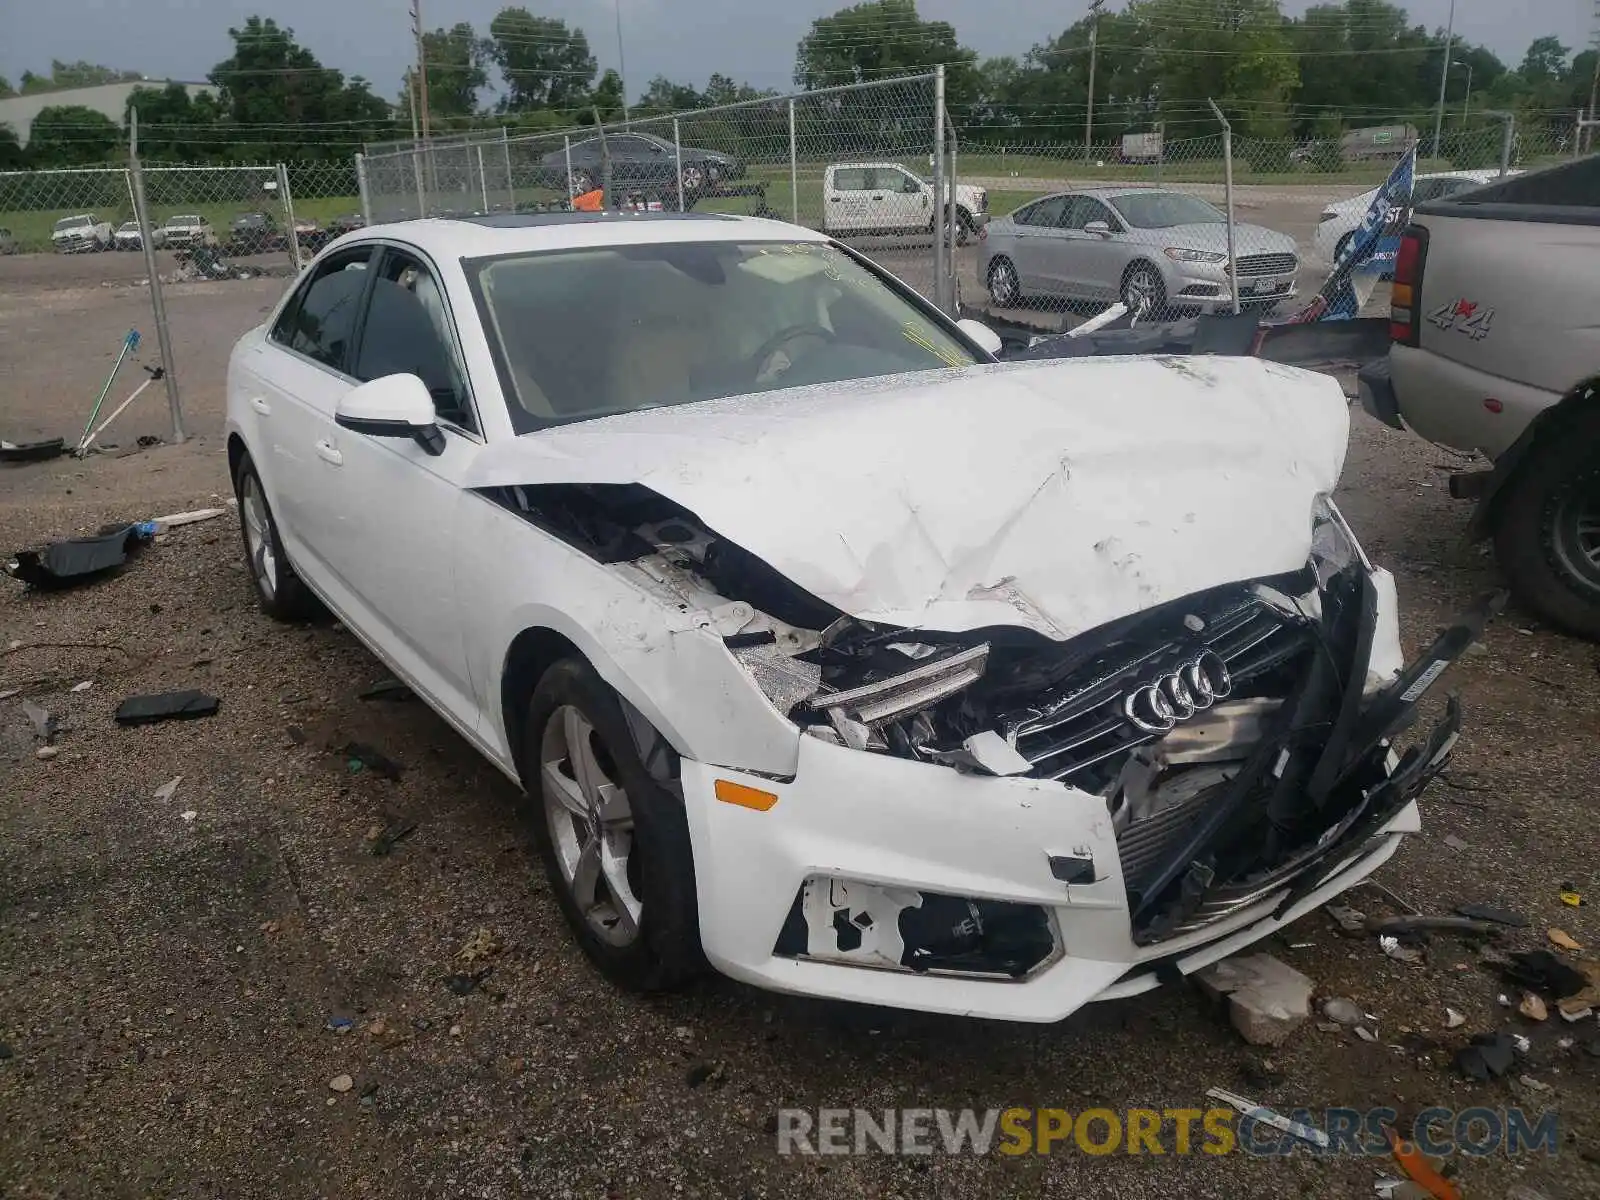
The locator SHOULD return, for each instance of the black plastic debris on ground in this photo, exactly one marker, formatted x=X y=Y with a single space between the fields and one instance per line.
x=364 y=757
x=26 y=452
x=1541 y=971
x=166 y=706
x=465 y=985
x=1492 y=912
x=1488 y=1057
x=74 y=561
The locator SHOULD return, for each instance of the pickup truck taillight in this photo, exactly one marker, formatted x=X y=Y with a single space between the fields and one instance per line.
x=1405 y=323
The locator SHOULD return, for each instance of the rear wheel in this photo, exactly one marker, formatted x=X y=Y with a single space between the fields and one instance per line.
x=1547 y=531
x=614 y=841
x=282 y=594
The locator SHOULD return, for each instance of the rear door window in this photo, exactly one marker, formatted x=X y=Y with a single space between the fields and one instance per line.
x=320 y=319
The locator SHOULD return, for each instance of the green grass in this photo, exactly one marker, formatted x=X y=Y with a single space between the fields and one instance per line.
x=32 y=229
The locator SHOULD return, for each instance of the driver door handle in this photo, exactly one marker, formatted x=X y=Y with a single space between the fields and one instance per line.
x=877 y=197
x=329 y=453
x=261 y=406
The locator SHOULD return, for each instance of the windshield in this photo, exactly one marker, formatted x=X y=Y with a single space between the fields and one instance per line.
x=128 y=227
x=174 y=222
x=589 y=333
x=1163 y=210
x=72 y=223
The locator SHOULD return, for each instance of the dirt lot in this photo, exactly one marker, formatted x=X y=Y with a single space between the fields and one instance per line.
x=168 y=967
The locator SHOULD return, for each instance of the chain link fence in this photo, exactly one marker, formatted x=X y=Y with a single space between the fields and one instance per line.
x=856 y=162
x=1142 y=220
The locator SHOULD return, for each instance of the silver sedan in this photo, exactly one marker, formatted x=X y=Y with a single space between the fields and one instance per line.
x=1152 y=249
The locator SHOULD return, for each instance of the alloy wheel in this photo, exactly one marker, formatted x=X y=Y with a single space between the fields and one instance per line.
x=258 y=536
x=591 y=825
x=1004 y=289
x=693 y=179
x=1142 y=292
x=1575 y=537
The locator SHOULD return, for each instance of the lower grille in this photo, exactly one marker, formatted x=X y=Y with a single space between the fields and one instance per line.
x=1266 y=264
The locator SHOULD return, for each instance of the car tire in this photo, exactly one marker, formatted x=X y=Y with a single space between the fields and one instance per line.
x=694 y=178
x=1005 y=285
x=637 y=919
x=1547 y=529
x=282 y=593
x=1142 y=284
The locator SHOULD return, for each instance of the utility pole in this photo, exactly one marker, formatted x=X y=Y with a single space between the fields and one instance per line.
x=622 y=65
x=1444 y=77
x=1094 y=50
x=422 y=63
x=1466 y=101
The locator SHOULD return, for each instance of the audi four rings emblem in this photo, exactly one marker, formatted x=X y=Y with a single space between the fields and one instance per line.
x=1157 y=706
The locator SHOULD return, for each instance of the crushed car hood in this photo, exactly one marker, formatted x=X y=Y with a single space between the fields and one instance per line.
x=1056 y=496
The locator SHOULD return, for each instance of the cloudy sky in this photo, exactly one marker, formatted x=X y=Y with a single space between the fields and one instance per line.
x=685 y=40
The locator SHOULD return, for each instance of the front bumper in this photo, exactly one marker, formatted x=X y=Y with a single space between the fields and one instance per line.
x=1209 y=287
x=892 y=823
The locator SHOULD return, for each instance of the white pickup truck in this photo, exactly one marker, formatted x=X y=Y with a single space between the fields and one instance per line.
x=883 y=198
x=82 y=233
x=1496 y=348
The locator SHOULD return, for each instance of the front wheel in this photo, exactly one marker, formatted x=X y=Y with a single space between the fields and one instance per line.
x=1547 y=530
x=614 y=840
x=1144 y=293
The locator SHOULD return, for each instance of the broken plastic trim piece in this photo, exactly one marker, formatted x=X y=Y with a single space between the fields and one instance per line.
x=910 y=692
x=78 y=560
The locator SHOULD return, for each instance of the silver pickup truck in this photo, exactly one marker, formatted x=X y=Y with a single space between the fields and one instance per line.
x=1495 y=347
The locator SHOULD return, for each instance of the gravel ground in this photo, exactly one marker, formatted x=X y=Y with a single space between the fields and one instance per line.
x=166 y=980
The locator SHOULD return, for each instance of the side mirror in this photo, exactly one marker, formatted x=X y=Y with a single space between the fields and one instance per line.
x=397 y=406
x=911 y=187
x=1098 y=228
x=980 y=333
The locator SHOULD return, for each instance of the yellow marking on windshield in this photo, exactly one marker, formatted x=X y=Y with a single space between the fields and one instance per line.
x=918 y=336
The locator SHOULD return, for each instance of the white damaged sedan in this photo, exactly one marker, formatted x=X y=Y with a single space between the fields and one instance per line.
x=835 y=653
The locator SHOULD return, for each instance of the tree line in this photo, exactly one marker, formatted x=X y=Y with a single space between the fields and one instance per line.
x=1155 y=63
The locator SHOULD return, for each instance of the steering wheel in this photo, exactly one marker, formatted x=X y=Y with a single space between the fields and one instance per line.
x=768 y=350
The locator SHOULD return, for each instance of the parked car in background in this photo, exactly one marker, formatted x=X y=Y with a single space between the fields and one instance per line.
x=255 y=233
x=127 y=237
x=627 y=503
x=637 y=158
x=311 y=235
x=1494 y=350
x=8 y=241
x=188 y=230
x=882 y=198
x=81 y=234
x=1340 y=219
x=1152 y=249
x=349 y=223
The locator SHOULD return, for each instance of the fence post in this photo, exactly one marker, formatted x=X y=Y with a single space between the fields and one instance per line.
x=1577 y=135
x=158 y=306
x=794 y=170
x=566 y=146
x=1507 y=139
x=938 y=187
x=677 y=154
x=1161 y=148
x=416 y=169
x=511 y=184
x=950 y=216
x=1227 y=191
x=483 y=180
x=361 y=186
x=288 y=216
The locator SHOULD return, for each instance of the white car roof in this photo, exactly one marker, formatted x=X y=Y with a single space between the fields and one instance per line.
x=477 y=237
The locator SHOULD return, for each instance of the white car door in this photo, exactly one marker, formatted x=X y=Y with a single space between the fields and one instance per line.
x=848 y=209
x=900 y=202
x=289 y=384
x=395 y=504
